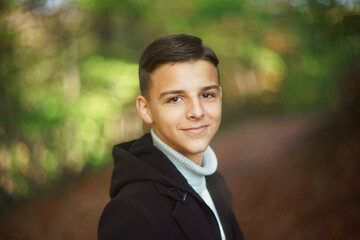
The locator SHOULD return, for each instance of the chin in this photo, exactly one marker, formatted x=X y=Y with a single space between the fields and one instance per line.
x=198 y=149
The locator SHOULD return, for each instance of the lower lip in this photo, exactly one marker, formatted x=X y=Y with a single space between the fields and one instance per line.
x=196 y=130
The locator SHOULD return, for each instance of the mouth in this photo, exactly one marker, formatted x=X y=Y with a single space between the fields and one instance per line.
x=196 y=130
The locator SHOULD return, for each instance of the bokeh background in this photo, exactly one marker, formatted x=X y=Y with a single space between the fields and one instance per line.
x=289 y=144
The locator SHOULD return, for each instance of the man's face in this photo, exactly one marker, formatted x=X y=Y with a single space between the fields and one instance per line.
x=184 y=106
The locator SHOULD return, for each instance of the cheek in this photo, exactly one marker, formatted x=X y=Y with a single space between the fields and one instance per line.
x=214 y=111
x=170 y=116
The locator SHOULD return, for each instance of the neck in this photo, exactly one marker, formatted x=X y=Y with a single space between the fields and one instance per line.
x=195 y=158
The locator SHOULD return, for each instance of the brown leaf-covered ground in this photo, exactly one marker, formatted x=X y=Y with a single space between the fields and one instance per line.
x=292 y=178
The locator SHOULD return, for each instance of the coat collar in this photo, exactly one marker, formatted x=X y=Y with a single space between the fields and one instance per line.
x=152 y=156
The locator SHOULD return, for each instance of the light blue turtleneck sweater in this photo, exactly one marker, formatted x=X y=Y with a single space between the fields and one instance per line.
x=193 y=173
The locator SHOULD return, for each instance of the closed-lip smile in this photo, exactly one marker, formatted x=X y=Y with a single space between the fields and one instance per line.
x=196 y=130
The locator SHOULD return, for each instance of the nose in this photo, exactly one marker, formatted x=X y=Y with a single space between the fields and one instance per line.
x=195 y=110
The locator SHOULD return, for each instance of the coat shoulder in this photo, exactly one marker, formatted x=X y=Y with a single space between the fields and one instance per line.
x=137 y=206
x=122 y=217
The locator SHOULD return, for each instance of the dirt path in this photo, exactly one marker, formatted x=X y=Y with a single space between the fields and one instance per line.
x=276 y=195
x=71 y=215
x=293 y=179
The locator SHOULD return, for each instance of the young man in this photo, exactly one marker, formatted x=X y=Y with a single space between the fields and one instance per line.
x=165 y=184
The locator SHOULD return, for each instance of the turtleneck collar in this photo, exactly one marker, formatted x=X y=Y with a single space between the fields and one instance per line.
x=194 y=174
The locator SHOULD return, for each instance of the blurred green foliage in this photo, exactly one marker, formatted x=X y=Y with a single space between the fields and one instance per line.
x=68 y=71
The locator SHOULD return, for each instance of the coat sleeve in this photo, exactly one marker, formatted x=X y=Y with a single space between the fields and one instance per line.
x=124 y=219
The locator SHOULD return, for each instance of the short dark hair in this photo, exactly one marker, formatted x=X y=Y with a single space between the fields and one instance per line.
x=172 y=49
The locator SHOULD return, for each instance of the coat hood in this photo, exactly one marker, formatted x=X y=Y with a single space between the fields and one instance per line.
x=140 y=160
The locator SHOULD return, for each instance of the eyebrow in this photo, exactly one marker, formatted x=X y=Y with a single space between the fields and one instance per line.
x=211 y=87
x=174 y=92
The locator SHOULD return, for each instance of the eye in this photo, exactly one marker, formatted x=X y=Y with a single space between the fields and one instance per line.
x=174 y=100
x=207 y=95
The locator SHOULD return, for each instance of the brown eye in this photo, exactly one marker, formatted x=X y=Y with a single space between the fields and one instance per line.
x=174 y=100
x=207 y=95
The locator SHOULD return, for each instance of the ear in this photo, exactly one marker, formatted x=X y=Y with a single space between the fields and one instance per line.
x=220 y=90
x=143 y=108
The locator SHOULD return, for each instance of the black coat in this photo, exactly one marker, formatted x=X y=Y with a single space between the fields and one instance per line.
x=150 y=199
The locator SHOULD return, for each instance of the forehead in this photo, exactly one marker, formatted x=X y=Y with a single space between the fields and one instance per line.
x=183 y=75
